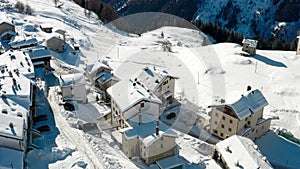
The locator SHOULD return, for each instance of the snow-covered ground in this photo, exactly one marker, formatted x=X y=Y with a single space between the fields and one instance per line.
x=206 y=75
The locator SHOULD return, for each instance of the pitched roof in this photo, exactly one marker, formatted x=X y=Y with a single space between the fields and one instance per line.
x=92 y=69
x=72 y=79
x=249 y=104
x=104 y=77
x=146 y=131
x=24 y=42
x=38 y=52
x=241 y=150
x=127 y=94
x=151 y=78
x=250 y=42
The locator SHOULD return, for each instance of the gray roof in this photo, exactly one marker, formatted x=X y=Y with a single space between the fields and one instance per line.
x=249 y=104
x=250 y=42
x=127 y=95
x=151 y=78
x=146 y=131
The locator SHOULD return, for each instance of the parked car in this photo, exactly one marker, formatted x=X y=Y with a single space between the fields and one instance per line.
x=69 y=106
x=41 y=117
x=44 y=128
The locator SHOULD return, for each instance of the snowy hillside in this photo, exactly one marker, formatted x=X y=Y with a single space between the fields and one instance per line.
x=201 y=71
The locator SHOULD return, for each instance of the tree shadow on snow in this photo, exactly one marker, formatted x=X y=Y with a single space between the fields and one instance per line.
x=269 y=61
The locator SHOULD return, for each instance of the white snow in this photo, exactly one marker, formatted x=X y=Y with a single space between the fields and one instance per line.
x=206 y=74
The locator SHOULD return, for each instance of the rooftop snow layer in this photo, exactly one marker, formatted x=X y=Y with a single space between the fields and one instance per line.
x=242 y=151
x=147 y=131
x=72 y=79
x=250 y=42
x=151 y=78
x=249 y=104
x=11 y=126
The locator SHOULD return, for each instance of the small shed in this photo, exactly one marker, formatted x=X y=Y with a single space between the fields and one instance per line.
x=46 y=28
x=55 y=43
x=249 y=46
x=73 y=87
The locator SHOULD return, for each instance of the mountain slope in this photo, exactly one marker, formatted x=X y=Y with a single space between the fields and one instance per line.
x=268 y=19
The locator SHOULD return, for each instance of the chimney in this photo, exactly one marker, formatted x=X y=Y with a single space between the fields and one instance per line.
x=140 y=112
x=157 y=128
x=140 y=117
x=248 y=88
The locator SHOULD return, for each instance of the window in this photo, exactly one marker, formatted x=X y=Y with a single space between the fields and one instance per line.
x=162 y=138
x=222 y=134
x=262 y=127
x=223 y=118
x=222 y=126
x=229 y=129
x=230 y=121
x=161 y=146
x=216 y=122
x=216 y=131
x=248 y=122
x=256 y=131
x=217 y=114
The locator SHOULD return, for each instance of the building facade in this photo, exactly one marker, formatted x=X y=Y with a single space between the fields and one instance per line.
x=249 y=46
x=244 y=117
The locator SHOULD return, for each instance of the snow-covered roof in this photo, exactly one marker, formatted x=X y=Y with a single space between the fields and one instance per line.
x=146 y=131
x=46 y=26
x=241 y=150
x=104 y=77
x=39 y=52
x=252 y=43
x=11 y=158
x=22 y=43
x=151 y=78
x=14 y=109
x=15 y=86
x=11 y=126
x=92 y=69
x=72 y=79
x=16 y=61
x=249 y=104
x=127 y=94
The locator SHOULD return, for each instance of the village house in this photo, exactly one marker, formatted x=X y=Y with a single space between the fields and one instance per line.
x=55 y=43
x=39 y=55
x=100 y=75
x=160 y=83
x=244 y=117
x=240 y=152
x=73 y=87
x=151 y=140
x=249 y=46
x=7 y=30
x=128 y=98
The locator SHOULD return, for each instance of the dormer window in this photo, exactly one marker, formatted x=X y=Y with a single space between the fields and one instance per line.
x=4 y=111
